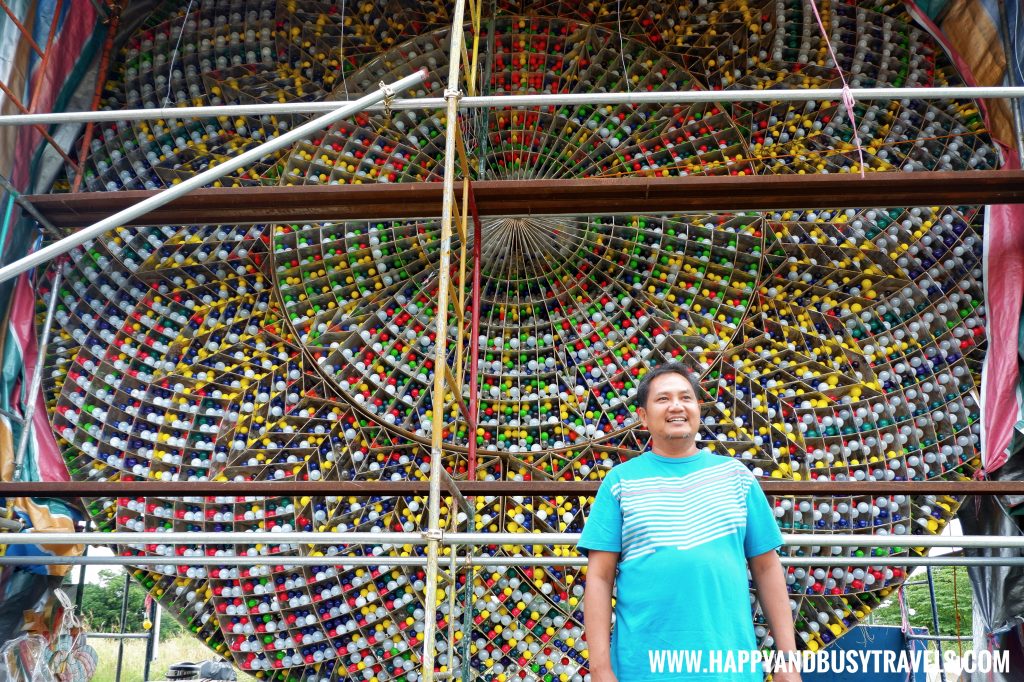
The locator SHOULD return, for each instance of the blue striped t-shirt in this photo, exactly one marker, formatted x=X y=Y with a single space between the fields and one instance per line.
x=684 y=528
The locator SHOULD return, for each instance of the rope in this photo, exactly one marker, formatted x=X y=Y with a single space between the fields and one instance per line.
x=847 y=96
x=904 y=616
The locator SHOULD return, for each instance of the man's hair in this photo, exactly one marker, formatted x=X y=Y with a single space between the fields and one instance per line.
x=683 y=370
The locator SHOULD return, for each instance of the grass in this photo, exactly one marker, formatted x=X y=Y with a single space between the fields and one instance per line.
x=177 y=650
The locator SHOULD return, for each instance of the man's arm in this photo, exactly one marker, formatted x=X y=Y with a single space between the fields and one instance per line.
x=766 y=569
x=597 y=612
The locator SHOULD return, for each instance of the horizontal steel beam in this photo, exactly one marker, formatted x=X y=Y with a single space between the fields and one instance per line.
x=929 y=638
x=463 y=560
x=117 y=635
x=476 y=539
x=586 y=196
x=74 y=489
x=666 y=97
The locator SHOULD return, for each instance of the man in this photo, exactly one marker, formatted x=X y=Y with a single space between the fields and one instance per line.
x=675 y=530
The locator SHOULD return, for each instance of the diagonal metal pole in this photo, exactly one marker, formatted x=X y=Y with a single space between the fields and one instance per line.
x=207 y=176
x=28 y=206
x=452 y=95
x=37 y=378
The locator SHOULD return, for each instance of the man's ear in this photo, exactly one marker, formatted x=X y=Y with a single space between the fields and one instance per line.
x=642 y=413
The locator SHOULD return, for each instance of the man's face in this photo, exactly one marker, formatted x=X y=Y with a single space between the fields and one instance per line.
x=672 y=412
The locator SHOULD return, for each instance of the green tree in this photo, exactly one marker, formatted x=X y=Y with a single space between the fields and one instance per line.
x=953 y=597
x=101 y=606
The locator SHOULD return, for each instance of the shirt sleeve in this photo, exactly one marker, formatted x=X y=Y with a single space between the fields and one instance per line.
x=763 y=532
x=603 y=530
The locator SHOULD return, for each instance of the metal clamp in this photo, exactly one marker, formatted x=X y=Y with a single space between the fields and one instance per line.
x=433 y=535
x=389 y=98
x=450 y=93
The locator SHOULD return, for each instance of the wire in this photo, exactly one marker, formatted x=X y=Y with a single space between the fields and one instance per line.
x=622 y=47
x=174 y=53
x=341 y=50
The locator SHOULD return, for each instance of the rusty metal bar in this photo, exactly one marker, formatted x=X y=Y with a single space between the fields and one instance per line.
x=74 y=489
x=24 y=31
x=586 y=196
x=29 y=208
x=41 y=73
x=101 y=79
x=38 y=128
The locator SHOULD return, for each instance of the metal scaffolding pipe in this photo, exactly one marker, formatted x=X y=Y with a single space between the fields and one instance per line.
x=117 y=635
x=929 y=638
x=28 y=206
x=935 y=621
x=498 y=101
x=474 y=539
x=214 y=538
x=474 y=336
x=37 y=379
x=122 y=623
x=464 y=561
x=251 y=489
x=788 y=539
x=207 y=176
x=434 y=530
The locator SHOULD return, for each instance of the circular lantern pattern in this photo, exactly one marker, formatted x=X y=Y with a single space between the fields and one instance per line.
x=840 y=344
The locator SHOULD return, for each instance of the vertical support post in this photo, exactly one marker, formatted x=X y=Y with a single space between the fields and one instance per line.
x=467 y=597
x=453 y=573
x=124 y=622
x=153 y=632
x=80 y=594
x=485 y=89
x=935 y=622
x=157 y=617
x=474 y=338
x=434 y=531
x=37 y=376
x=475 y=9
